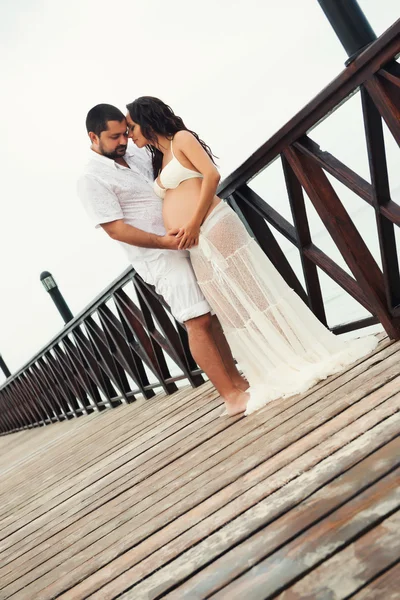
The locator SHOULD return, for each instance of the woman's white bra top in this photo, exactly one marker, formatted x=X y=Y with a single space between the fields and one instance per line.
x=172 y=175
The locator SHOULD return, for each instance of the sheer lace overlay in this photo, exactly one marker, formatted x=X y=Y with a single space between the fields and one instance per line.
x=277 y=341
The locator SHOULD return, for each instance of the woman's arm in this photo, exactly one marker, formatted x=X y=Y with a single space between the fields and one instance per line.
x=195 y=153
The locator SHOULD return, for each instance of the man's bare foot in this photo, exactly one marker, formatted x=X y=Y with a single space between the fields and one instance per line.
x=236 y=403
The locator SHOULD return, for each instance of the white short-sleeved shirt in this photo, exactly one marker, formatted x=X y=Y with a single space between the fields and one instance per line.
x=110 y=191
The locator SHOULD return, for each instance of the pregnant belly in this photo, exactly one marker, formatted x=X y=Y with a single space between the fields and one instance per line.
x=179 y=205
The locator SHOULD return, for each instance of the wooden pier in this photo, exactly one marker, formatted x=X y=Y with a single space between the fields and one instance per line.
x=110 y=488
x=167 y=499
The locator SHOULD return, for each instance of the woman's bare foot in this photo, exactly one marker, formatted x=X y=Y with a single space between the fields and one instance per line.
x=241 y=383
x=236 y=403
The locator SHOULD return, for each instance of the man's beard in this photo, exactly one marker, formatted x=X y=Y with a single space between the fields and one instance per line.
x=117 y=153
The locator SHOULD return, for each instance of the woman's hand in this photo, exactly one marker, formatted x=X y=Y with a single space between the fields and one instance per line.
x=189 y=235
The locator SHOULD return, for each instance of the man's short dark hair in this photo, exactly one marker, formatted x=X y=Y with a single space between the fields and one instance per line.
x=98 y=117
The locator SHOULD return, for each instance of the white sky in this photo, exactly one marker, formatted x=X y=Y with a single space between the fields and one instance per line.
x=236 y=71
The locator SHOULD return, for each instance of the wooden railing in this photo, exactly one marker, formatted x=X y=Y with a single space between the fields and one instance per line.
x=376 y=75
x=125 y=343
x=121 y=346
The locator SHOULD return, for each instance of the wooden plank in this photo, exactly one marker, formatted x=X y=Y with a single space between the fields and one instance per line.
x=148 y=419
x=31 y=457
x=145 y=424
x=350 y=569
x=385 y=587
x=150 y=427
x=266 y=508
x=78 y=514
x=113 y=416
x=84 y=476
x=150 y=436
x=317 y=544
x=176 y=498
x=116 y=494
x=111 y=419
x=153 y=431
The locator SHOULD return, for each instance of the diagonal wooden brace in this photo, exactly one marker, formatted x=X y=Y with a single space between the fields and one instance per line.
x=386 y=97
x=345 y=235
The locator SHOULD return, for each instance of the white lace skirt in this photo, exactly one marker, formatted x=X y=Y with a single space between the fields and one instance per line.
x=279 y=344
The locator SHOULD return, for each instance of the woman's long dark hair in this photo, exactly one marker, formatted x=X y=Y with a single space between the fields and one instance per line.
x=157 y=118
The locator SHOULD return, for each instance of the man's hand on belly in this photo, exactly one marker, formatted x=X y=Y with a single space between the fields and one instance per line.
x=170 y=241
x=121 y=231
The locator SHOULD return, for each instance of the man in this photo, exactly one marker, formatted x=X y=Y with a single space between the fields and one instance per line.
x=116 y=189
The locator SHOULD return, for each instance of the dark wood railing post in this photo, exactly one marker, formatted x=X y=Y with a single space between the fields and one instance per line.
x=300 y=220
x=381 y=197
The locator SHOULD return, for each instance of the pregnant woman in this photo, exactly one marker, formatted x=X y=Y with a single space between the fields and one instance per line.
x=277 y=341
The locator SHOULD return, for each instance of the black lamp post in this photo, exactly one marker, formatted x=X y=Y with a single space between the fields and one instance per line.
x=350 y=25
x=4 y=367
x=51 y=287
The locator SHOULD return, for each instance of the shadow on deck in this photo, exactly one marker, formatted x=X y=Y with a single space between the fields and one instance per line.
x=166 y=499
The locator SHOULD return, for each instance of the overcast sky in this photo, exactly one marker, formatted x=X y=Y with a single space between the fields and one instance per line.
x=236 y=71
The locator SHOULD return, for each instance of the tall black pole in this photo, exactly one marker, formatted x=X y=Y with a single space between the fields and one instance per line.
x=51 y=287
x=350 y=25
x=4 y=367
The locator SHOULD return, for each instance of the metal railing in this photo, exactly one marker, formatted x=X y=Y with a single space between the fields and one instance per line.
x=125 y=342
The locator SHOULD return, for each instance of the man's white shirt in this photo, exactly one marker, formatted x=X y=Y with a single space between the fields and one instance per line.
x=110 y=191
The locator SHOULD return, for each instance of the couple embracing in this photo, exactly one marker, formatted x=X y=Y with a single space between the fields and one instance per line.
x=158 y=199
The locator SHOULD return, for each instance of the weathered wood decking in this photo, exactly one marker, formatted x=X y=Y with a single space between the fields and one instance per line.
x=167 y=499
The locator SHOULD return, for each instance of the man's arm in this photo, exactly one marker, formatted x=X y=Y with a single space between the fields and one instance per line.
x=103 y=208
x=121 y=231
